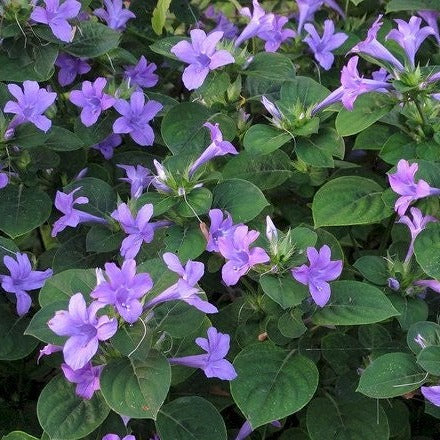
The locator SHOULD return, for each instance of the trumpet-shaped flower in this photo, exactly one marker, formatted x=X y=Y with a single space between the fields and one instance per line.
x=70 y=67
x=320 y=271
x=72 y=217
x=84 y=330
x=236 y=249
x=107 y=146
x=431 y=18
x=322 y=46
x=219 y=227
x=202 y=56
x=114 y=14
x=403 y=183
x=307 y=9
x=432 y=394
x=217 y=147
x=410 y=36
x=92 y=100
x=123 y=288
x=213 y=363
x=185 y=289
x=135 y=116
x=31 y=103
x=56 y=16
x=85 y=378
x=138 y=177
x=21 y=279
x=276 y=35
x=142 y=74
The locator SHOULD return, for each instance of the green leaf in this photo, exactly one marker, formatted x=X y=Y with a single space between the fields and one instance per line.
x=318 y=150
x=412 y=5
x=188 y=243
x=65 y=284
x=160 y=15
x=284 y=290
x=264 y=64
x=198 y=201
x=190 y=418
x=38 y=326
x=272 y=383
x=354 y=303
x=427 y=250
x=368 y=109
x=93 y=39
x=373 y=269
x=137 y=388
x=398 y=146
x=7 y=247
x=391 y=375
x=364 y=420
x=411 y=310
x=29 y=136
x=133 y=341
x=18 y=435
x=304 y=90
x=13 y=343
x=23 y=209
x=161 y=203
x=266 y=172
x=242 y=199
x=101 y=239
x=429 y=331
x=63 y=415
x=349 y=200
x=429 y=360
x=61 y=139
x=164 y=45
x=264 y=139
x=373 y=137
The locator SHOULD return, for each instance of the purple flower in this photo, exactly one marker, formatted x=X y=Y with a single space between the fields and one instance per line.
x=217 y=147
x=260 y=22
x=48 y=350
x=184 y=289
x=223 y=24
x=135 y=118
x=275 y=36
x=21 y=279
x=431 y=284
x=108 y=145
x=159 y=181
x=56 y=16
x=142 y=74
x=115 y=15
x=317 y=275
x=246 y=429
x=277 y=116
x=122 y=289
x=370 y=46
x=322 y=46
x=202 y=56
x=431 y=18
x=219 y=227
x=235 y=249
x=72 y=217
x=212 y=363
x=85 y=378
x=307 y=9
x=416 y=225
x=353 y=85
x=4 y=180
x=31 y=103
x=92 y=99
x=84 y=329
x=393 y=284
x=138 y=177
x=432 y=394
x=116 y=437
x=403 y=183
x=70 y=67
x=139 y=229
x=409 y=36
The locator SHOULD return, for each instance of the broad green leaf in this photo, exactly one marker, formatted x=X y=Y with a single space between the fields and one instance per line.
x=391 y=375
x=23 y=209
x=264 y=64
x=373 y=137
x=187 y=243
x=133 y=340
x=354 y=303
x=318 y=150
x=160 y=202
x=18 y=435
x=65 y=284
x=64 y=415
x=60 y=139
x=101 y=239
x=427 y=250
x=427 y=330
x=160 y=15
x=29 y=136
x=368 y=109
x=272 y=383
x=412 y=5
x=264 y=139
x=198 y=201
x=411 y=310
x=190 y=418
x=429 y=360
x=363 y=420
x=304 y=90
x=373 y=268
x=349 y=200
x=163 y=46
x=242 y=199
x=284 y=290
x=398 y=146
x=93 y=39
x=265 y=171
x=136 y=388
x=13 y=343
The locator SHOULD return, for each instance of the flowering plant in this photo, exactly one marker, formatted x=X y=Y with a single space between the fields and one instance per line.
x=219 y=220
